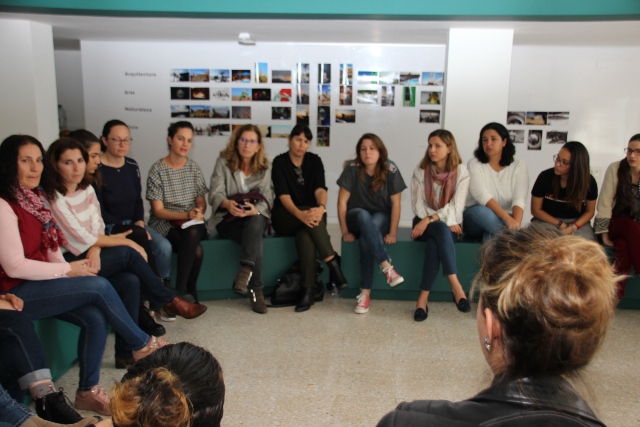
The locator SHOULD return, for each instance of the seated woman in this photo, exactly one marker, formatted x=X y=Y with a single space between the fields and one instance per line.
x=498 y=186
x=180 y=385
x=438 y=193
x=540 y=322
x=565 y=195
x=369 y=208
x=33 y=268
x=300 y=210
x=618 y=219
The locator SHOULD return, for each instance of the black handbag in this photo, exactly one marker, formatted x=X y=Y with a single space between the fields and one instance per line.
x=289 y=289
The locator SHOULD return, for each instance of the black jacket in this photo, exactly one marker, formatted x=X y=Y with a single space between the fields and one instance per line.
x=545 y=402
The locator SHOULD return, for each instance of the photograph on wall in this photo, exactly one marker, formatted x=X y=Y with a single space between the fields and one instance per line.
x=323 y=139
x=409 y=96
x=430 y=98
x=302 y=115
x=387 y=95
x=534 y=141
x=324 y=116
x=179 y=75
x=345 y=116
x=324 y=94
x=302 y=73
x=432 y=78
x=240 y=94
x=302 y=97
x=280 y=131
x=517 y=136
x=241 y=76
x=346 y=74
x=180 y=93
x=280 y=113
x=199 y=75
x=429 y=116
x=282 y=95
x=516 y=117
x=346 y=95
x=220 y=112
x=557 y=117
x=265 y=130
x=199 y=130
x=200 y=93
x=324 y=73
x=389 y=77
x=200 y=111
x=220 y=76
x=557 y=137
x=180 y=111
x=408 y=78
x=220 y=94
x=261 y=94
x=367 y=78
x=281 y=76
x=536 y=118
x=367 y=96
x=240 y=112
x=261 y=72
x=222 y=129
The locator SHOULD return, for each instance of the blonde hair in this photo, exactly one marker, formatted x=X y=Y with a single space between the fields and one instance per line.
x=259 y=162
x=453 y=159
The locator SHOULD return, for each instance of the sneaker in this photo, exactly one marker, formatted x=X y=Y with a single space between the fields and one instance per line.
x=241 y=282
x=363 y=304
x=164 y=316
x=95 y=400
x=393 y=278
x=56 y=407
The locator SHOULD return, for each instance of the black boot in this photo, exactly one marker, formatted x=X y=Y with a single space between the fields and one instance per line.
x=335 y=273
x=56 y=407
x=148 y=324
x=306 y=301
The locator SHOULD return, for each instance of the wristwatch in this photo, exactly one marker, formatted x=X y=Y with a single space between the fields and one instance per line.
x=431 y=218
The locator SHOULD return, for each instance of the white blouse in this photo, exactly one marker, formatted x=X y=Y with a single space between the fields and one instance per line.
x=451 y=213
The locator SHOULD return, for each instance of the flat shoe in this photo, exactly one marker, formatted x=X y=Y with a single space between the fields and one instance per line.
x=462 y=305
x=421 y=315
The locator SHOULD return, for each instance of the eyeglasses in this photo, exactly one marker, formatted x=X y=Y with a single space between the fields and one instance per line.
x=298 y=172
x=248 y=141
x=630 y=152
x=557 y=159
x=126 y=141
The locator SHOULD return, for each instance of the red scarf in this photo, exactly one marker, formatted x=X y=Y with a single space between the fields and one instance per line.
x=30 y=201
x=448 y=179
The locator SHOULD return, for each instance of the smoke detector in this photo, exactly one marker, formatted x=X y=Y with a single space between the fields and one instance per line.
x=245 y=39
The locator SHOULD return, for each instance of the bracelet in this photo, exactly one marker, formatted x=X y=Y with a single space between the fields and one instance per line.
x=577 y=227
x=320 y=204
x=559 y=224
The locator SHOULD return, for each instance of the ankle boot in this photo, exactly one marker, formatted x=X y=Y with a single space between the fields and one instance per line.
x=335 y=273
x=185 y=309
x=257 y=301
x=56 y=407
x=306 y=301
x=148 y=324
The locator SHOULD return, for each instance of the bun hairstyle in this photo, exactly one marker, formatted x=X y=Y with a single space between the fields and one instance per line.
x=106 y=130
x=553 y=296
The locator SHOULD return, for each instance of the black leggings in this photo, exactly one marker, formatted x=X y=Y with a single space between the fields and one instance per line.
x=138 y=235
x=186 y=243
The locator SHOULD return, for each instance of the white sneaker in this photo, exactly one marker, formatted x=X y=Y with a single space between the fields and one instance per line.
x=164 y=316
x=362 y=306
x=393 y=278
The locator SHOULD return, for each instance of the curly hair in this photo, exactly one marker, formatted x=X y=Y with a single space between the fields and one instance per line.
x=259 y=162
x=382 y=167
x=508 y=151
x=453 y=159
x=9 y=150
x=54 y=152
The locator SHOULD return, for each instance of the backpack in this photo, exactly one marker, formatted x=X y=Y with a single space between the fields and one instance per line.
x=289 y=289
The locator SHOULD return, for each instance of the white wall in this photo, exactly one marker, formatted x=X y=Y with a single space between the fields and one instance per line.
x=69 y=86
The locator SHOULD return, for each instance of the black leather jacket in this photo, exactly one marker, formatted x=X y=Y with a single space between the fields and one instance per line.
x=526 y=402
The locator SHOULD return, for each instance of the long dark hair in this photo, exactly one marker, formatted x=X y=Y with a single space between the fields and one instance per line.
x=87 y=139
x=508 y=151
x=623 y=201
x=9 y=150
x=380 y=174
x=54 y=152
x=579 y=178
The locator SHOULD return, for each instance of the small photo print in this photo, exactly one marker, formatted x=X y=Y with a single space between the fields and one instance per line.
x=302 y=73
x=220 y=76
x=429 y=116
x=345 y=116
x=265 y=130
x=324 y=94
x=281 y=76
x=346 y=74
x=389 y=77
x=240 y=94
x=241 y=76
x=324 y=116
x=240 y=112
x=198 y=130
x=368 y=96
x=324 y=73
x=536 y=118
x=409 y=96
x=303 y=95
x=516 y=117
x=432 y=78
x=180 y=111
x=221 y=94
x=200 y=93
x=387 y=96
x=534 y=142
x=280 y=113
x=199 y=75
x=408 y=78
x=180 y=93
x=261 y=94
x=557 y=137
x=302 y=115
x=219 y=130
x=262 y=72
x=282 y=95
x=432 y=98
x=200 y=111
x=367 y=78
x=280 y=131
x=179 y=75
x=323 y=139
x=517 y=136
x=557 y=117
x=346 y=95
x=222 y=112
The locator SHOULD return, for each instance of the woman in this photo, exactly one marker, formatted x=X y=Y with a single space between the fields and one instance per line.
x=618 y=219
x=33 y=269
x=438 y=194
x=241 y=196
x=120 y=196
x=176 y=189
x=369 y=208
x=179 y=386
x=540 y=322
x=498 y=186
x=300 y=210
x=565 y=195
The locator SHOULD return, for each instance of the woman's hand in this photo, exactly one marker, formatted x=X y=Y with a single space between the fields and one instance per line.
x=196 y=214
x=138 y=249
x=93 y=257
x=122 y=235
x=235 y=209
x=348 y=237
x=606 y=240
x=16 y=302
x=81 y=268
x=313 y=217
x=390 y=239
x=420 y=227
x=566 y=229
x=511 y=223
x=455 y=228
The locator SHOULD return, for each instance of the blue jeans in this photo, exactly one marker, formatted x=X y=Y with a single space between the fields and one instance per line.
x=480 y=221
x=439 y=248
x=12 y=413
x=370 y=228
x=162 y=252
x=89 y=302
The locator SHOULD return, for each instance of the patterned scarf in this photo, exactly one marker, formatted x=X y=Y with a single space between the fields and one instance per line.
x=448 y=180
x=30 y=201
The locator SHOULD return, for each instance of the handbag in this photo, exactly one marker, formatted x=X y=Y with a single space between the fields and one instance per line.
x=289 y=290
x=252 y=197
